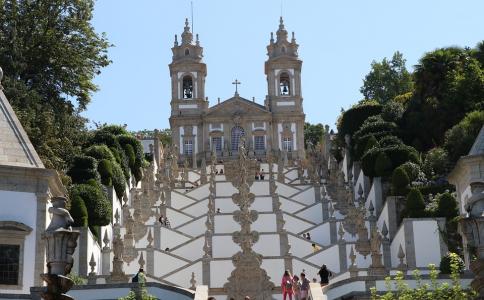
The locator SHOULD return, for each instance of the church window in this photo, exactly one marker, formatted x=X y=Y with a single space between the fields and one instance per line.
x=283 y=49
x=187 y=52
x=259 y=143
x=9 y=264
x=284 y=86
x=217 y=143
x=188 y=147
x=287 y=144
x=237 y=133
x=187 y=87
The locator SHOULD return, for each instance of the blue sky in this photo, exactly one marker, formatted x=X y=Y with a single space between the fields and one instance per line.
x=337 y=39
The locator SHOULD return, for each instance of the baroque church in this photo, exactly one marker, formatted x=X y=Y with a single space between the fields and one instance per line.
x=214 y=230
x=277 y=125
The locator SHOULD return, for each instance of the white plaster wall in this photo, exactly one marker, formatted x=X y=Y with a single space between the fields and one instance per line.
x=169 y=264
x=223 y=246
x=182 y=278
x=22 y=207
x=176 y=218
x=268 y=245
x=300 y=247
x=360 y=181
x=329 y=257
x=306 y=197
x=321 y=234
x=93 y=249
x=398 y=240
x=313 y=213
x=310 y=271
x=383 y=217
x=264 y=223
x=260 y=188
x=115 y=293
x=179 y=201
x=192 y=250
x=195 y=228
x=292 y=174
x=225 y=224
x=225 y=189
x=192 y=176
x=226 y=205
x=427 y=242
x=285 y=190
x=295 y=225
x=274 y=268
x=219 y=278
x=170 y=238
x=289 y=205
x=197 y=209
x=262 y=204
x=199 y=193
x=360 y=261
x=337 y=292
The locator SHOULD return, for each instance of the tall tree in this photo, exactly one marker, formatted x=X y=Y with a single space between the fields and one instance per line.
x=50 y=54
x=313 y=133
x=387 y=79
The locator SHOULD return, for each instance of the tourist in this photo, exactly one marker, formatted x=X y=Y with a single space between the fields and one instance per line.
x=139 y=277
x=167 y=223
x=286 y=284
x=308 y=236
x=221 y=171
x=324 y=273
x=218 y=210
x=162 y=220
x=304 y=287
x=262 y=175
x=296 y=287
x=167 y=249
x=316 y=248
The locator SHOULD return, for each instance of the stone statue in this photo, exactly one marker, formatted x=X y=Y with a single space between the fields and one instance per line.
x=61 y=218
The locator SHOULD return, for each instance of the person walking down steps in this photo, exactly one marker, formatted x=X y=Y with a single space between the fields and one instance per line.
x=324 y=273
x=287 y=284
x=304 y=287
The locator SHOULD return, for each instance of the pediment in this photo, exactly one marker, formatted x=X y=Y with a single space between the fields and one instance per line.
x=237 y=106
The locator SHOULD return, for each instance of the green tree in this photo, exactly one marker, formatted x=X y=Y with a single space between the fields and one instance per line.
x=50 y=55
x=460 y=138
x=400 y=181
x=436 y=162
x=387 y=79
x=313 y=133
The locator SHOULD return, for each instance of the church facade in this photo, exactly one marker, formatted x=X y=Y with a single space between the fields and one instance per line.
x=198 y=129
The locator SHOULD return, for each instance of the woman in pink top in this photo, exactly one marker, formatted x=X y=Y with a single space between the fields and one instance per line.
x=287 y=284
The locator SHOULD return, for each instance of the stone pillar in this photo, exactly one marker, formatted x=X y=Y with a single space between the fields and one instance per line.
x=343 y=263
x=106 y=255
x=150 y=255
x=317 y=191
x=333 y=236
x=157 y=235
x=206 y=271
x=387 y=258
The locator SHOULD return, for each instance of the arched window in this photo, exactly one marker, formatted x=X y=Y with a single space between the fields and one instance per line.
x=284 y=86
x=187 y=87
x=187 y=52
x=237 y=133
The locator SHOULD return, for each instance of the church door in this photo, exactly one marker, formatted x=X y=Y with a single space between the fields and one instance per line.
x=237 y=133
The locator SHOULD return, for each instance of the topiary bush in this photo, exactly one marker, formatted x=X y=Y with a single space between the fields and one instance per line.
x=392 y=111
x=412 y=169
x=98 y=206
x=78 y=212
x=99 y=152
x=400 y=181
x=129 y=151
x=105 y=169
x=390 y=140
x=83 y=168
x=446 y=263
x=415 y=205
x=436 y=162
x=124 y=141
x=119 y=182
x=383 y=165
x=352 y=119
x=447 y=206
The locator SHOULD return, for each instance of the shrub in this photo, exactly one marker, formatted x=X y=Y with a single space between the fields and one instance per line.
x=97 y=204
x=447 y=206
x=415 y=206
x=446 y=263
x=412 y=170
x=78 y=212
x=119 y=182
x=392 y=111
x=460 y=138
x=124 y=141
x=83 y=168
x=128 y=150
x=400 y=154
x=351 y=120
x=99 y=152
x=436 y=162
x=113 y=129
x=105 y=169
x=383 y=165
x=389 y=140
x=400 y=181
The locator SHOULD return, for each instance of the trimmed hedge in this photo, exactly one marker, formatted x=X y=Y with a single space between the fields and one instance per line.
x=447 y=207
x=105 y=169
x=125 y=141
x=83 y=168
x=415 y=205
x=99 y=152
x=412 y=169
x=352 y=119
x=98 y=206
x=119 y=182
x=78 y=212
x=400 y=181
x=383 y=165
x=397 y=154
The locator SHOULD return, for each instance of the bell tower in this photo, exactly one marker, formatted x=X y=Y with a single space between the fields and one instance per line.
x=283 y=72
x=188 y=73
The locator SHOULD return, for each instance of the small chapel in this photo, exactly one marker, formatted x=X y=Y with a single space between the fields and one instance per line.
x=198 y=129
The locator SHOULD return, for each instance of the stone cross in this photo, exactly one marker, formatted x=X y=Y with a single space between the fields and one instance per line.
x=236 y=82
